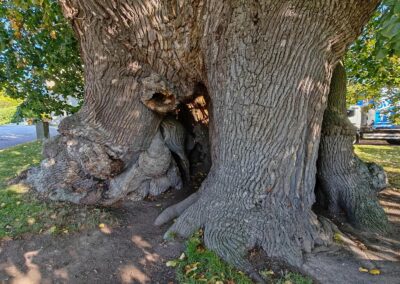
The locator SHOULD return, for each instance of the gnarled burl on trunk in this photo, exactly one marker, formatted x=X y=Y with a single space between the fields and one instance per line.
x=266 y=65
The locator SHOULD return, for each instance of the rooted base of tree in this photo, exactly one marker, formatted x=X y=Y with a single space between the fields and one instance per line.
x=232 y=226
x=351 y=186
x=84 y=171
x=347 y=184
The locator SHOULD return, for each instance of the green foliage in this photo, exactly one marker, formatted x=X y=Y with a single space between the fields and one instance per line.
x=39 y=58
x=386 y=156
x=388 y=29
x=372 y=65
x=199 y=265
x=22 y=213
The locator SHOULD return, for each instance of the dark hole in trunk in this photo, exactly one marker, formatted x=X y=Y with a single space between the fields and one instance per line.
x=158 y=98
x=194 y=116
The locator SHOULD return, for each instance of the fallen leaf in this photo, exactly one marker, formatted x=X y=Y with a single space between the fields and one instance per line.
x=101 y=225
x=191 y=267
x=200 y=248
x=171 y=263
x=362 y=269
x=375 y=271
x=53 y=34
x=337 y=237
x=52 y=229
x=182 y=257
x=266 y=273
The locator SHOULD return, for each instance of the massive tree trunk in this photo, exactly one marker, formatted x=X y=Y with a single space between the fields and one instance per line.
x=347 y=184
x=266 y=66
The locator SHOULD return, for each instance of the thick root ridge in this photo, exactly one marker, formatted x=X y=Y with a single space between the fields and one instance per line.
x=359 y=204
x=176 y=210
x=350 y=186
x=153 y=173
x=231 y=230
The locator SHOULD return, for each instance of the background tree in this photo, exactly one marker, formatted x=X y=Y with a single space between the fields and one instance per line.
x=388 y=29
x=373 y=61
x=39 y=58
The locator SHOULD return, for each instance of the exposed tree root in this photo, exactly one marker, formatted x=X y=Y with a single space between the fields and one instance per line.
x=176 y=210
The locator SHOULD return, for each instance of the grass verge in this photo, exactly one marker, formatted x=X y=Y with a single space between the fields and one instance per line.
x=21 y=212
x=386 y=156
x=7 y=115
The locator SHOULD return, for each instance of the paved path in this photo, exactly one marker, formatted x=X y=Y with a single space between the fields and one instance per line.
x=12 y=134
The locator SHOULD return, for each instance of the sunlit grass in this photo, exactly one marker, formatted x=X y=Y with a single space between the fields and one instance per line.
x=8 y=109
x=21 y=212
x=386 y=156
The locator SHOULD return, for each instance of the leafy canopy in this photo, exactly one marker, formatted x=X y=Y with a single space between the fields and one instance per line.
x=39 y=58
x=373 y=61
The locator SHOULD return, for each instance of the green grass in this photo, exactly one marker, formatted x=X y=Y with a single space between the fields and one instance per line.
x=7 y=101
x=294 y=278
x=7 y=115
x=203 y=266
x=386 y=156
x=8 y=108
x=21 y=212
x=199 y=265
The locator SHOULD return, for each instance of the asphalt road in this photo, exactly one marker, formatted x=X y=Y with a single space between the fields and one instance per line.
x=12 y=134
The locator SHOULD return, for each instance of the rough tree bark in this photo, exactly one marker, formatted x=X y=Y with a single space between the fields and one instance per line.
x=347 y=184
x=266 y=66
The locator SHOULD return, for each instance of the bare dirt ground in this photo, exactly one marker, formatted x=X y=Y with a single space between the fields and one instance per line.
x=132 y=253
x=136 y=253
x=341 y=263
